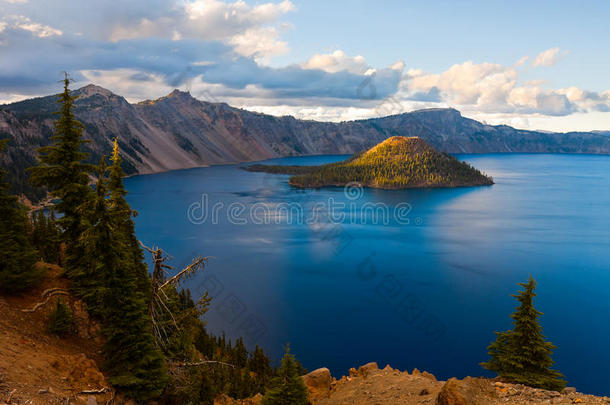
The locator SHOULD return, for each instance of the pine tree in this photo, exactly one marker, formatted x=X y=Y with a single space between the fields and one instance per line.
x=522 y=355
x=100 y=254
x=18 y=271
x=125 y=227
x=63 y=171
x=239 y=357
x=287 y=388
x=135 y=365
x=108 y=286
x=259 y=364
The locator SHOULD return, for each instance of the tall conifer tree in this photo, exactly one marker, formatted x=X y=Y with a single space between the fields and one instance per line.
x=522 y=355
x=122 y=214
x=101 y=253
x=17 y=267
x=134 y=363
x=63 y=171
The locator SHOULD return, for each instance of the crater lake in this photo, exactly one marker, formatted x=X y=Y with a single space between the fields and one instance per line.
x=411 y=278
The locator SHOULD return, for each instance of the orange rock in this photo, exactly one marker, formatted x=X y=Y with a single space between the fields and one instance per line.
x=318 y=383
x=365 y=370
x=428 y=375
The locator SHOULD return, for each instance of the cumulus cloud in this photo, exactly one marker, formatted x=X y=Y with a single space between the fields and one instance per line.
x=337 y=61
x=522 y=61
x=20 y=22
x=253 y=30
x=483 y=84
x=177 y=62
x=494 y=88
x=547 y=58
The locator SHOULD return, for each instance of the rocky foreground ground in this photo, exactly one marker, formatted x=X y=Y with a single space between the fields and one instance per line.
x=371 y=386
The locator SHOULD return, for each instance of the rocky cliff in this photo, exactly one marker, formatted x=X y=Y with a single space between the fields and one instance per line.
x=371 y=385
x=178 y=131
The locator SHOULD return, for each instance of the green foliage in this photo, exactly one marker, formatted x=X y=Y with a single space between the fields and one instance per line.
x=522 y=355
x=226 y=369
x=63 y=172
x=287 y=388
x=45 y=236
x=108 y=284
x=60 y=320
x=99 y=254
x=124 y=226
x=18 y=271
x=398 y=162
x=135 y=365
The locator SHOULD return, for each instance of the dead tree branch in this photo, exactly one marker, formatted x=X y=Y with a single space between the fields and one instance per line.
x=47 y=295
x=201 y=363
x=198 y=263
x=158 y=307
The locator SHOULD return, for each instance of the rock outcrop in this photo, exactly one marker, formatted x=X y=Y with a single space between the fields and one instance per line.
x=318 y=383
x=370 y=385
x=470 y=391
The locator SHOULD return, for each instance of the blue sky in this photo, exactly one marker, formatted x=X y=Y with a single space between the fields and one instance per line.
x=536 y=64
x=435 y=36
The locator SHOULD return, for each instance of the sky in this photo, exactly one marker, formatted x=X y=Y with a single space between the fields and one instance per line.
x=530 y=64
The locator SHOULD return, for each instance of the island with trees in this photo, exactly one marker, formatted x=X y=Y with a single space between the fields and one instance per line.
x=396 y=163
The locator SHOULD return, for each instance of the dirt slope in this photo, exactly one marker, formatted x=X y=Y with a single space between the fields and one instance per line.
x=39 y=368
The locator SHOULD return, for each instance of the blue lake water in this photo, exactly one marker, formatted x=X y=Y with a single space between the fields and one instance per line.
x=422 y=279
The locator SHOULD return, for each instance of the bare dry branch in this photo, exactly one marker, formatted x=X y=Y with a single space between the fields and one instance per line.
x=50 y=293
x=201 y=363
x=94 y=392
x=188 y=271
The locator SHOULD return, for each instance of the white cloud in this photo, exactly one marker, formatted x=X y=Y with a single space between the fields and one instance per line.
x=521 y=61
x=337 y=61
x=484 y=84
x=547 y=58
x=493 y=88
x=20 y=22
x=254 y=31
x=259 y=43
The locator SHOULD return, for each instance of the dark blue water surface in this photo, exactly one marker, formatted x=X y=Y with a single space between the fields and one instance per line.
x=427 y=289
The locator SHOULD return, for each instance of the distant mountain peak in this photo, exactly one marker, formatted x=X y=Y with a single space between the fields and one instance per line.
x=175 y=95
x=448 y=110
x=92 y=89
x=184 y=95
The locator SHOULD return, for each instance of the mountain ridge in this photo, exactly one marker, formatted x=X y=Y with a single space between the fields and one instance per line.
x=178 y=131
